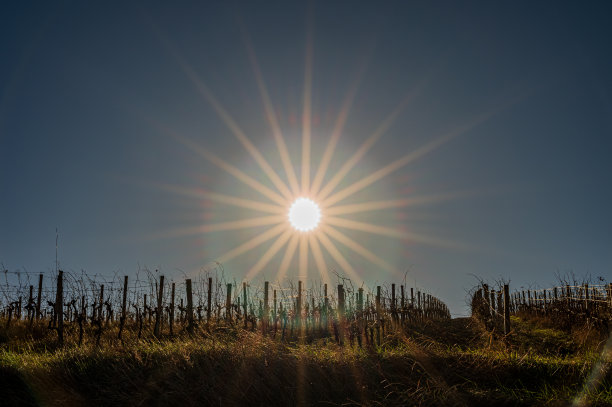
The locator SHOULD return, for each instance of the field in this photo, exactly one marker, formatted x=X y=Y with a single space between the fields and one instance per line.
x=341 y=348
x=450 y=362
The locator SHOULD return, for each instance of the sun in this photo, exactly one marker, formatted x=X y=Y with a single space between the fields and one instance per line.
x=304 y=214
x=291 y=205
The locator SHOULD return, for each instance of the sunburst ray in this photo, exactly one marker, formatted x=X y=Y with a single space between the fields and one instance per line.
x=319 y=259
x=357 y=248
x=390 y=232
x=269 y=254
x=243 y=223
x=238 y=174
x=252 y=243
x=363 y=149
x=303 y=259
x=338 y=257
x=365 y=227
x=405 y=160
x=391 y=203
x=245 y=203
x=307 y=113
x=286 y=261
x=273 y=121
x=233 y=126
x=336 y=133
x=225 y=199
x=222 y=226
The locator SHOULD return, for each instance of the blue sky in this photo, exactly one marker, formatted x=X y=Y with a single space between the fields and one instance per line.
x=89 y=93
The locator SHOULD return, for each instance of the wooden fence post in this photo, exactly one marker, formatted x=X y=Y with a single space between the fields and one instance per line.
x=171 y=322
x=275 y=311
x=341 y=305
x=158 y=313
x=209 y=303
x=82 y=318
x=228 y=303
x=360 y=300
x=144 y=310
x=266 y=307
x=59 y=307
x=244 y=302
x=189 y=306
x=341 y=311
x=393 y=307
x=101 y=303
x=298 y=304
x=31 y=308
x=402 y=305
x=486 y=297
x=529 y=298
x=123 y=307
x=39 y=297
x=311 y=318
x=506 y=309
x=586 y=299
x=325 y=307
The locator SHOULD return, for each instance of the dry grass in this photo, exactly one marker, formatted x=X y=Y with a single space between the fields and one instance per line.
x=439 y=363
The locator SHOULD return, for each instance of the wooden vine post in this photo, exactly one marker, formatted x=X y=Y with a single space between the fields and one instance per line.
x=341 y=313
x=402 y=305
x=298 y=306
x=274 y=315
x=189 y=306
x=266 y=307
x=101 y=303
x=123 y=307
x=228 y=303
x=209 y=303
x=172 y=310
x=39 y=297
x=360 y=300
x=244 y=302
x=393 y=305
x=341 y=304
x=325 y=306
x=59 y=307
x=586 y=299
x=158 y=312
x=31 y=308
x=506 y=309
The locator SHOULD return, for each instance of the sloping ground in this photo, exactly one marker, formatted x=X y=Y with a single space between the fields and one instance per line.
x=532 y=366
x=453 y=363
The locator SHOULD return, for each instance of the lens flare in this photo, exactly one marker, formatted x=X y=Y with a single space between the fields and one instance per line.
x=304 y=214
x=325 y=189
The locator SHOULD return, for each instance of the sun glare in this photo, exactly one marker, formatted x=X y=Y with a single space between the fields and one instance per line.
x=304 y=214
x=326 y=188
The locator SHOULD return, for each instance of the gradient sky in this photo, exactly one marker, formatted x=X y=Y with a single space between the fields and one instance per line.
x=89 y=90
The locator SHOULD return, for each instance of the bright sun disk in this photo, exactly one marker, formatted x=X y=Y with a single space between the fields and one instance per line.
x=304 y=214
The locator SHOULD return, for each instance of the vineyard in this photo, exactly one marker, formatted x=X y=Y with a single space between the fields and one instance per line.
x=568 y=304
x=79 y=308
x=145 y=339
